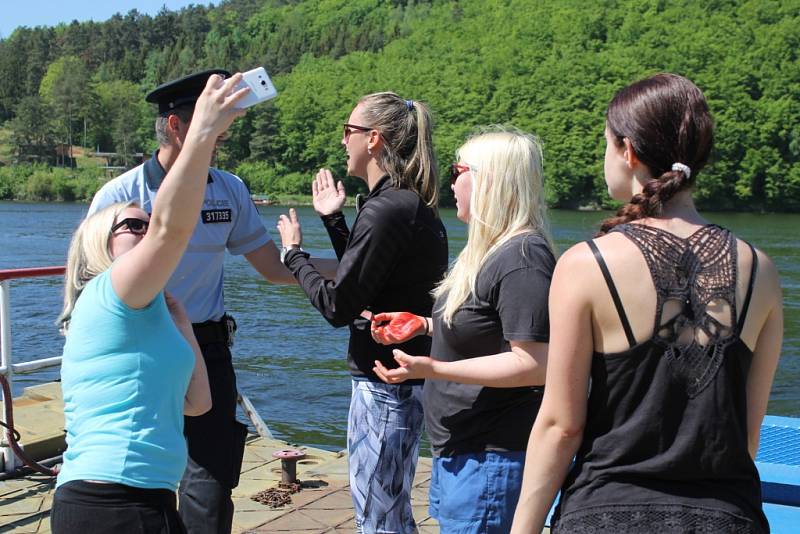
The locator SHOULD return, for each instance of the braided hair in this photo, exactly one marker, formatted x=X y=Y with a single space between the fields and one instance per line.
x=667 y=121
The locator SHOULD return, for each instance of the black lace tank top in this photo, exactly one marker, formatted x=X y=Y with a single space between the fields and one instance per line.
x=665 y=442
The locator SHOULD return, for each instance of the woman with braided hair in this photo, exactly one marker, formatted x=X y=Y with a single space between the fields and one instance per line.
x=676 y=324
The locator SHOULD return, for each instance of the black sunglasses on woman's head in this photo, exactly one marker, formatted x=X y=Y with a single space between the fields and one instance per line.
x=134 y=225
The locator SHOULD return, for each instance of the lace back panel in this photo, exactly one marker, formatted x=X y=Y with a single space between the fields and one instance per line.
x=695 y=282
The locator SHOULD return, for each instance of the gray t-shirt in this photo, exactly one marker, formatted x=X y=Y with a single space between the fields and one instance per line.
x=510 y=304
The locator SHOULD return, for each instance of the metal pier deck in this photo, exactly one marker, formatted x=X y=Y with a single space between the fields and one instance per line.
x=25 y=502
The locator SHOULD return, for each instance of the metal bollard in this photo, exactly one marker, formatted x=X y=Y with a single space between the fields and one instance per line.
x=289 y=458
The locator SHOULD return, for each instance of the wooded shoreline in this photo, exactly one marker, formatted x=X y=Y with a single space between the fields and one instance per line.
x=549 y=67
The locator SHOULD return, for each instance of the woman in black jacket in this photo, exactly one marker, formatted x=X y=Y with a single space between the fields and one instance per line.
x=392 y=259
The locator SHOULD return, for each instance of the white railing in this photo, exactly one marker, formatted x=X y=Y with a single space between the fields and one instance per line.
x=8 y=460
x=7 y=366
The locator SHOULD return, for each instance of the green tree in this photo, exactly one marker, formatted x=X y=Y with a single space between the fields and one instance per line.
x=64 y=87
x=124 y=115
x=32 y=131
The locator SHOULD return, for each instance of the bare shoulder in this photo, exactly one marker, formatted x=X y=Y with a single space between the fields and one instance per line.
x=611 y=246
x=766 y=305
x=577 y=266
x=767 y=279
x=575 y=257
x=580 y=271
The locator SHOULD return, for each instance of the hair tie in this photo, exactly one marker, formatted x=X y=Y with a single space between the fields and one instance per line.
x=682 y=168
x=409 y=105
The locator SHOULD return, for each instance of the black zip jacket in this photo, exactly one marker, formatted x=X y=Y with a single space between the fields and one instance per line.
x=391 y=261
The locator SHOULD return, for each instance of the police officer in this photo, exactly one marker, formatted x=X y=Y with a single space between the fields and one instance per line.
x=228 y=220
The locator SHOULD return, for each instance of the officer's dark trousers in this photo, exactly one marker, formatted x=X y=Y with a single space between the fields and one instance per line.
x=216 y=446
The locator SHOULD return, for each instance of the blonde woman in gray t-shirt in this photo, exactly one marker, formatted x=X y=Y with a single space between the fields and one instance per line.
x=490 y=333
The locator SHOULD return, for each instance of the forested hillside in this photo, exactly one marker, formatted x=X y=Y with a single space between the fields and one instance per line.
x=547 y=66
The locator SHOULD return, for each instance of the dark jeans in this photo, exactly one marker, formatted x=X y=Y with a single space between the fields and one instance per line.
x=216 y=446
x=81 y=507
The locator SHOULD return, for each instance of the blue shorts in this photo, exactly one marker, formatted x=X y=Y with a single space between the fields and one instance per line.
x=476 y=493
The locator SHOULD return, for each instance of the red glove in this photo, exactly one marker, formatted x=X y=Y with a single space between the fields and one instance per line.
x=397 y=327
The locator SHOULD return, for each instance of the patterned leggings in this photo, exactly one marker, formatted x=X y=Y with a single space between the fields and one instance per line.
x=383 y=434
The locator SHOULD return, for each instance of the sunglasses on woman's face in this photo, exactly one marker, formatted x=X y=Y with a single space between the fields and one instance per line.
x=456 y=170
x=134 y=225
x=350 y=128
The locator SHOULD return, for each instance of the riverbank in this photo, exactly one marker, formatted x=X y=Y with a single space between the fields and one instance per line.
x=303 y=200
x=41 y=183
x=282 y=200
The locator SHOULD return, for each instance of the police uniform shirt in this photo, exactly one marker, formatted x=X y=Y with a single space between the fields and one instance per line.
x=228 y=219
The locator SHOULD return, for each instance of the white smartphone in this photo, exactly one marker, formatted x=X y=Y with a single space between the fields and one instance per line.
x=260 y=85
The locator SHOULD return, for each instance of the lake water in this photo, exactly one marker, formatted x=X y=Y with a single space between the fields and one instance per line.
x=289 y=361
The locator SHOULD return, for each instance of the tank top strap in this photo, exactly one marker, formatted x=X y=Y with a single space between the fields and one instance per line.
x=750 y=285
x=612 y=288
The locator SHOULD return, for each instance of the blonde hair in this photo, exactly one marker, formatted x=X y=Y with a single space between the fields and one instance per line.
x=407 y=154
x=88 y=256
x=507 y=199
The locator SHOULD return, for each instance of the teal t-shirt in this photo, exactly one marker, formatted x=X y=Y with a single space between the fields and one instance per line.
x=124 y=376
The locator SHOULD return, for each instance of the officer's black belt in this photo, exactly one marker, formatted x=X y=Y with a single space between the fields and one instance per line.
x=210 y=332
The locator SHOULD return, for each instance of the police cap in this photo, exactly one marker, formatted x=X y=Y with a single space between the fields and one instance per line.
x=181 y=92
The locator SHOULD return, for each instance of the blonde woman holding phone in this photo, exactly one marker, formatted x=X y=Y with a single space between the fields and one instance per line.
x=131 y=365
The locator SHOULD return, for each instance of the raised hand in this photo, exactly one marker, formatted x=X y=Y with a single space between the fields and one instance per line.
x=289 y=228
x=411 y=367
x=397 y=327
x=216 y=108
x=327 y=197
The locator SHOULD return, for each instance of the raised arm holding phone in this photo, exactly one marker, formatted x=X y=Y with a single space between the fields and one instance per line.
x=131 y=366
x=228 y=221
